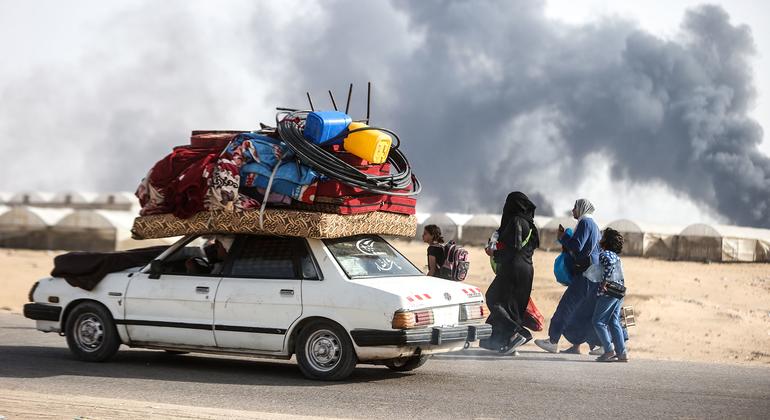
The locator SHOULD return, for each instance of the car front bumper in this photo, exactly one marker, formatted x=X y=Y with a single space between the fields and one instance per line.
x=41 y=312
x=423 y=336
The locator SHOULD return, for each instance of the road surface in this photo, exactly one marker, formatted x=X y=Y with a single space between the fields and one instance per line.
x=40 y=379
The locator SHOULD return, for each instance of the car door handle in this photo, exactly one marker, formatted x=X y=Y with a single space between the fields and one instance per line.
x=287 y=292
x=201 y=289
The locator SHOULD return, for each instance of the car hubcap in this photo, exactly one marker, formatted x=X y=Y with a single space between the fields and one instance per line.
x=89 y=332
x=323 y=350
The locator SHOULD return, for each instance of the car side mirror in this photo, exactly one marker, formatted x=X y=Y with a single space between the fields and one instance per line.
x=156 y=269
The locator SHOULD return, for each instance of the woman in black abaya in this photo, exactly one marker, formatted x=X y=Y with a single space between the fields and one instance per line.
x=508 y=295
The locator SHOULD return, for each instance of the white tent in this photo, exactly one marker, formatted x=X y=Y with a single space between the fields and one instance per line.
x=660 y=241
x=633 y=236
x=72 y=198
x=30 y=198
x=645 y=239
x=478 y=229
x=421 y=218
x=121 y=200
x=703 y=242
x=459 y=219
x=541 y=221
x=29 y=227
x=449 y=228
x=92 y=230
x=548 y=232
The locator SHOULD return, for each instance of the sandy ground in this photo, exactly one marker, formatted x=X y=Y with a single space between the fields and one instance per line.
x=684 y=310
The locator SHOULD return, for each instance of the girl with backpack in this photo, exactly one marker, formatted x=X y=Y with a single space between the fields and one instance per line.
x=431 y=235
x=508 y=295
x=612 y=290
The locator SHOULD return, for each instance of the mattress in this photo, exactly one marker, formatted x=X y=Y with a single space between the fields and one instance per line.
x=277 y=222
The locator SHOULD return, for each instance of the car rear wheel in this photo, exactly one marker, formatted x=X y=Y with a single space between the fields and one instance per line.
x=406 y=364
x=91 y=333
x=324 y=351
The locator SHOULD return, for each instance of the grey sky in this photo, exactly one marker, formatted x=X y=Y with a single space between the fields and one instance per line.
x=94 y=93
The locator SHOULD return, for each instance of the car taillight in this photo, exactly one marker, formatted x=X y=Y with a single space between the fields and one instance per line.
x=471 y=311
x=31 y=295
x=412 y=319
x=422 y=318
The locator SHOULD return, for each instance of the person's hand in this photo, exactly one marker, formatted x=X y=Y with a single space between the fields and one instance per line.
x=560 y=232
x=603 y=286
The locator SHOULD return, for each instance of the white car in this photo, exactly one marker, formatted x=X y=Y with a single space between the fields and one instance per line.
x=332 y=302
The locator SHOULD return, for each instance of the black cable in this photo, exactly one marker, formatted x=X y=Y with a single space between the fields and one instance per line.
x=290 y=126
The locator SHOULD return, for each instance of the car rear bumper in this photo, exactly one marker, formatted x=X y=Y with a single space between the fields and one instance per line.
x=432 y=336
x=41 y=312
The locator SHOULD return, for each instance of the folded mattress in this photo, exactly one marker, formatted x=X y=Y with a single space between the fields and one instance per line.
x=308 y=224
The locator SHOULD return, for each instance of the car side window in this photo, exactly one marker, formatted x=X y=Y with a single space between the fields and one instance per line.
x=269 y=257
x=176 y=262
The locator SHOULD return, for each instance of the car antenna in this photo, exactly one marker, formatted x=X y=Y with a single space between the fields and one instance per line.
x=350 y=92
x=310 y=100
x=333 y=103
x=368 y=99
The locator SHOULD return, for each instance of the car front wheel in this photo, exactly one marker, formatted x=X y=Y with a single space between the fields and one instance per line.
x=91 y=333
x=406 y=364
x=324 y=351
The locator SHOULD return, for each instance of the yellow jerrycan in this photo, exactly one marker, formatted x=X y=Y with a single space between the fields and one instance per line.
x=372 y=145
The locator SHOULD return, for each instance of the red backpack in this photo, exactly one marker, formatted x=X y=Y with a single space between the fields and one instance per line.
x=456 y=262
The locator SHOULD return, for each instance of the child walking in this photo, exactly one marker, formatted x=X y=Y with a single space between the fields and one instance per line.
x=431 y=235
x=606 y=318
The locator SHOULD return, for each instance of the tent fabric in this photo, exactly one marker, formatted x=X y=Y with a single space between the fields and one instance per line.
x=72 y=198
x=449 y=228
x=704 y=242
x=548 y=232
x=116 y=197
x=22 y=216
x=421 y=217
x=29 y=227
x=92 y=230
x=478 y=229
x=29 y=197
x=541 y=221
x=103 y=223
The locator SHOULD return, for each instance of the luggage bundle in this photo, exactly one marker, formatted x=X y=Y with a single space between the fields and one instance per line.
x=309 y=173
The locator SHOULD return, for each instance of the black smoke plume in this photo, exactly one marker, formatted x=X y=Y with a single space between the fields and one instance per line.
x=488 y=97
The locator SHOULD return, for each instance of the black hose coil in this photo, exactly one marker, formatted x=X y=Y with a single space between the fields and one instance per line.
x=290 y=128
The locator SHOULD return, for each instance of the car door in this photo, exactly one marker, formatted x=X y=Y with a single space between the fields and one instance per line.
x=173 y=307
x=260 y=294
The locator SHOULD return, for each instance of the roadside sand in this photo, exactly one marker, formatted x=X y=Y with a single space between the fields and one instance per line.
x=684 y=310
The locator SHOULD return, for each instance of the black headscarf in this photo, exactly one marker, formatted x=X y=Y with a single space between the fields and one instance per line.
x=518 y=204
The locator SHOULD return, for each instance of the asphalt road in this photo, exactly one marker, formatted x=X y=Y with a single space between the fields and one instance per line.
x=472 y=384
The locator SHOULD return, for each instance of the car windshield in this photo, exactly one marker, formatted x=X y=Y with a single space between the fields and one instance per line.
x=369 y=256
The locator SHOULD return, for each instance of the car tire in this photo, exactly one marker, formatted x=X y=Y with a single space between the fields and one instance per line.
x=324 y=351
x=91 y=333
x=406 y=364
